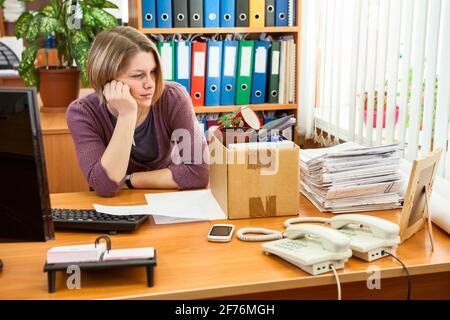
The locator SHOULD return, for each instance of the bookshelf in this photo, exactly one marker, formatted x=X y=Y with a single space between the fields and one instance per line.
x=219 y=30
x=254 y=107
x=135 y=20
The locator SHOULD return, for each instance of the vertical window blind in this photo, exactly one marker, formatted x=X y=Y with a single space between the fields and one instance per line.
x=377 y=72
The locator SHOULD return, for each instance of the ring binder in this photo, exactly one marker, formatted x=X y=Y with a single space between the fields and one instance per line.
x=108 y=242
x=120 y=260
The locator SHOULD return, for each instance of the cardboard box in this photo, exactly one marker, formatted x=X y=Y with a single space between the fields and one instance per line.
x=255 y=183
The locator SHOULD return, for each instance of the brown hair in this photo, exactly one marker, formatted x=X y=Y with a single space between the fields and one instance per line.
x=110 y=53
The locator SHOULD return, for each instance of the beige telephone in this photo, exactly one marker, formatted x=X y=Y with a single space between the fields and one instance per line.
x=313 y=248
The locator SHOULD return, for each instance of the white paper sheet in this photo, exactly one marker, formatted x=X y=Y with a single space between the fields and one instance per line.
x=172 y=220
x=129 y=254
x=275 y=62
x=183 y=59
x=199 y=64
x=260 y=60
x=230 y=61
x=166 y=54
x=245 y=61
x=197 y=204
x=123 y=210
x=214 y=62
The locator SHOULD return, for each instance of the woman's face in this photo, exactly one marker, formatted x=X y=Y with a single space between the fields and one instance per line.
x=140 y=75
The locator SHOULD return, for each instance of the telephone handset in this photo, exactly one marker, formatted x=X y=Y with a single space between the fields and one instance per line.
x=331 y=241
x=371 y=238
x=315 y=249
x=380 y=228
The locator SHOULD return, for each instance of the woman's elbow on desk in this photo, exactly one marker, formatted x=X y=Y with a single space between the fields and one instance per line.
x=106 y=193
x=197 y=178
x=102 y=184
x=203 y=180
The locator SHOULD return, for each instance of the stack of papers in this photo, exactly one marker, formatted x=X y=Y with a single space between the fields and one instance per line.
x=352 y=178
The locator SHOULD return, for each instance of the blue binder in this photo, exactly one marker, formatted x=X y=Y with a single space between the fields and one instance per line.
x=281 y=13
x=183 y=64
x=148 y=14
x=260 y=72
x=229 y=68
x=211 y=13
x=213 y=73
x=227 y=13
x=164 y=13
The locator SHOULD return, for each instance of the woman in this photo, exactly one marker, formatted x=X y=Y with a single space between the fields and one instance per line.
x=124 y=132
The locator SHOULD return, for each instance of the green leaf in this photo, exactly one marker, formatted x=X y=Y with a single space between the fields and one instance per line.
x=33 y=30
x=57 y=7
x=2 y=2
x=103 y=19
x=81 y=52
x=28 y=1
x=101 y=4
x=95 y=3
x=26 y=67
x=48 y=25
x=22 y=24
x=48 y=11
x=31 y=77
x=28 y=57
x=90 y=33
x=88 y=18
x=78 y=35
x=109 y=4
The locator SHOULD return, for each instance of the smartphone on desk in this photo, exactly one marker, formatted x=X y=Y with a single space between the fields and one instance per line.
x=221 y=233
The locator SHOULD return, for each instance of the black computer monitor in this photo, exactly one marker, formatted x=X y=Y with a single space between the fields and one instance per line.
x=25 y=212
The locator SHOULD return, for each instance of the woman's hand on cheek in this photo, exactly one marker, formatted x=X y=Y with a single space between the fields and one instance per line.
x=119 y=98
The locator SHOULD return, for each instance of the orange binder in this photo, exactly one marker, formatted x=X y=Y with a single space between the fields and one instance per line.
x=51 y=59
x=198 y=73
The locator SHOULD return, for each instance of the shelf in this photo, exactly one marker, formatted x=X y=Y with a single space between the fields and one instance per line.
x=254 y=107
x=220 y=30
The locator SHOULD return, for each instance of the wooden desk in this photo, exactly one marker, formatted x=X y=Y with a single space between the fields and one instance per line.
x=11 y=81
x=63 y=171
x=190 y=267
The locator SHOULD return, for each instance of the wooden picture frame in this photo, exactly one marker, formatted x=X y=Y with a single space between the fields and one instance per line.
x=416 y=204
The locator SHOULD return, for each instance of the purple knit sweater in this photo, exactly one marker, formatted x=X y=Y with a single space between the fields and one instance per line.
x=91 y=130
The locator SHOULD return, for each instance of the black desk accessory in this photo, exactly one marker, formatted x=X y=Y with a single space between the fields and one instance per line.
x=98 y=265
x=91 y=220
x=1 y=265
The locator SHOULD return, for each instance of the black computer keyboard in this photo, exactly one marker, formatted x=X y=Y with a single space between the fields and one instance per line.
x=95 y=221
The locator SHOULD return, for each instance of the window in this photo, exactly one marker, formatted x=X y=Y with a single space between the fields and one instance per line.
x=377 y=72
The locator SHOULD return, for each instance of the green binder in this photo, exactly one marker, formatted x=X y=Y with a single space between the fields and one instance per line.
x=167 y=53
x=244 y=71
x=273 y=78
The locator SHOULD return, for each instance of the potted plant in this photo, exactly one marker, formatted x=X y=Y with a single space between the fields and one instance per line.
x=375 y=108
x=237 y=126
x=73 y=36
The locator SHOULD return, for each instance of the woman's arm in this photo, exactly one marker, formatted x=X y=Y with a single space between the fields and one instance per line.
x=157 y=179
x=190 y=157
x=91 y=149
x=117 y=154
